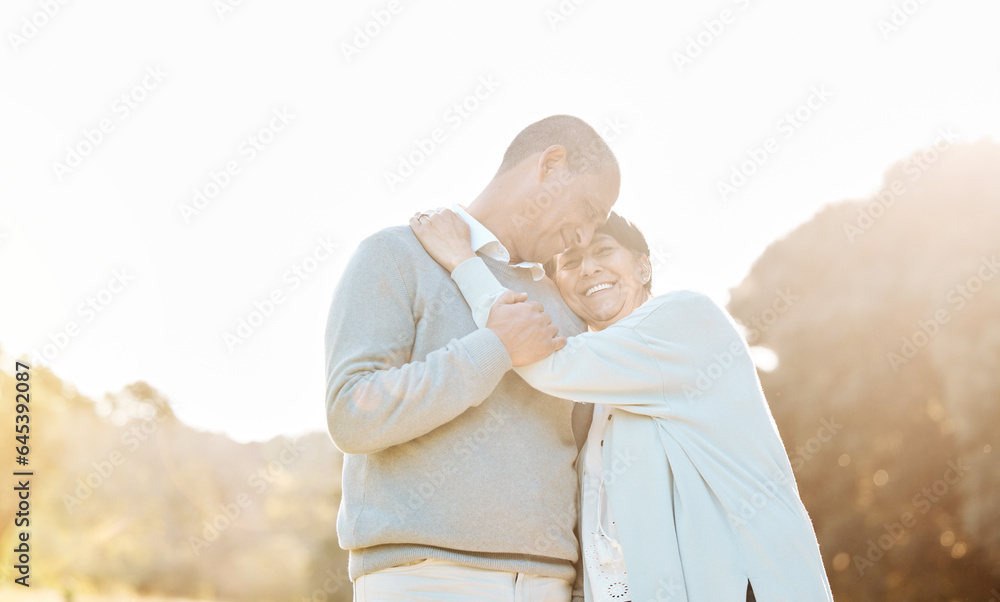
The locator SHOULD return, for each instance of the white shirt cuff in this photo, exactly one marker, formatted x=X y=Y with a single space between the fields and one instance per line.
x=479 y=287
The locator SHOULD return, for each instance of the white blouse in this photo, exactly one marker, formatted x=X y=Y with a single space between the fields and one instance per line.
x=603 y=559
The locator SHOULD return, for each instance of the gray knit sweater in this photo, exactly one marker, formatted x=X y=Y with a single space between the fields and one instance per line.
x=448 y=453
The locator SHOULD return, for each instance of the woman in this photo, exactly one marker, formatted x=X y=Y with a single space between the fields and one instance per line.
x=688 y=493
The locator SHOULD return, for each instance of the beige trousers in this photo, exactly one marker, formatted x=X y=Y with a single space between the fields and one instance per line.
x=440 y=581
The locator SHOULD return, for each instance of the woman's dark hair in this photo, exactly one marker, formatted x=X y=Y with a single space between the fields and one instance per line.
x=626 y=234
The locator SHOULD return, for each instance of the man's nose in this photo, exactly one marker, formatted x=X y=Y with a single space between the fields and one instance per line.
x=584 y=235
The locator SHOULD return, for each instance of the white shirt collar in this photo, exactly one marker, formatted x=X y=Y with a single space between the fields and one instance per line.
x=485 y=242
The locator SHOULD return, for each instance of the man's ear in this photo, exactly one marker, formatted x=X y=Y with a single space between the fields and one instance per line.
x=552 y=159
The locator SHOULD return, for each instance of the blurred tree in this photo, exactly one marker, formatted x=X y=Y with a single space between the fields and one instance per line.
x=129 y=500
x=885 y=317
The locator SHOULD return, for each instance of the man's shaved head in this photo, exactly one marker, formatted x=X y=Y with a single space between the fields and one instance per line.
x=586 y=151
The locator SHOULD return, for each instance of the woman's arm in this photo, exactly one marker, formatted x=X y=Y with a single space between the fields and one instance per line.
x=479 y=286
x=659 y=361
x=614 y=366
x=524 y=328
x=637 y=364
x=444 y=235
x=446 y=238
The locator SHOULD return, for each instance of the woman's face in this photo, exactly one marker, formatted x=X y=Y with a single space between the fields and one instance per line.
x=602 y=282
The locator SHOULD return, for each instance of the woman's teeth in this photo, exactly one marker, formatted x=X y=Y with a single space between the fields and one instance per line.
x=594 y=289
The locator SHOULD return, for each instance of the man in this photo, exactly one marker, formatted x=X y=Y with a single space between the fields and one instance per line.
x=458 y=477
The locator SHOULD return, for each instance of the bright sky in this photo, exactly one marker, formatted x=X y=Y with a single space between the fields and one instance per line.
x=288 y=134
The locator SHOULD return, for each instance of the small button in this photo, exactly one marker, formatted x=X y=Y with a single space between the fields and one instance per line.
x=609 y=416
x=602 y=442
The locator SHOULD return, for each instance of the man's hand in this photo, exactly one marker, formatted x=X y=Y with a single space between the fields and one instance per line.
x=524 y=328
x=444 y=235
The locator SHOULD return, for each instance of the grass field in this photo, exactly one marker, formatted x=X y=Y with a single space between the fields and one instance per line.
x=31 y=594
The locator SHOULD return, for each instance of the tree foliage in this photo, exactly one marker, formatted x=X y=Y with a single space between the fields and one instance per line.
x=894 y=334
x=127 y=499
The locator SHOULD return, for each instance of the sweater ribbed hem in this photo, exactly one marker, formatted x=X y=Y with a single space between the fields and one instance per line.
x=368 y=560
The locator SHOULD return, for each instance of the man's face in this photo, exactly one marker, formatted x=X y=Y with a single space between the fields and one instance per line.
x=568 y=210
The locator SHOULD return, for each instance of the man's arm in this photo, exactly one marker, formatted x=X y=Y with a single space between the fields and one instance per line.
x=376 y=397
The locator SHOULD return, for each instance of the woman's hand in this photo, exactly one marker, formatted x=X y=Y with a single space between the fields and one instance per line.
x=445 y=237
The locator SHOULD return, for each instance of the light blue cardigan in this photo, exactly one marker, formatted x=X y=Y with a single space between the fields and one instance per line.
x=695 y=471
